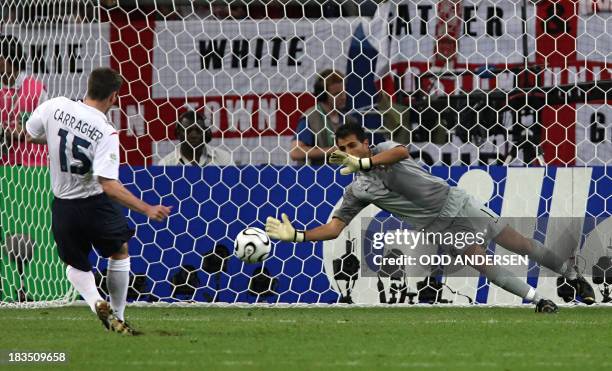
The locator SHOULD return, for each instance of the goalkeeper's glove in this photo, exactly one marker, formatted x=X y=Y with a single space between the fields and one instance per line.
x=351 y=163
x=283 y=231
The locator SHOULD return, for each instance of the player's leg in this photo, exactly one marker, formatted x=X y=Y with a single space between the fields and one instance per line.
x=502 y=277
x=110 y=239
x=479 y=217
x=85 y=284
x=507 y=281
x=512 y=240
x=476 y=218
x=73 y=249
x=561 y=262
x=118 y=279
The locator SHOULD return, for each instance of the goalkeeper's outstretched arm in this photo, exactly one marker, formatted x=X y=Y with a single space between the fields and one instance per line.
x=325 y=232
x=284 y=231
x=354 y=164
x=391 y=156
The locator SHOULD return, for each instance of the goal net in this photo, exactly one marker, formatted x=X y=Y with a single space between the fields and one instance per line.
x=508 y=100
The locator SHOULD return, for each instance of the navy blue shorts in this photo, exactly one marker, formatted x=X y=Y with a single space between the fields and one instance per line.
x=80 y=224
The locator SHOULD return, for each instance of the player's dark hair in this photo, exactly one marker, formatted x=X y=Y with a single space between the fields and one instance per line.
x=12 y=50
x=351 y=129
x=102 y=83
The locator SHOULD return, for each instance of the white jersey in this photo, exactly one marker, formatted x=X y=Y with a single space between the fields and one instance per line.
x=82 y=145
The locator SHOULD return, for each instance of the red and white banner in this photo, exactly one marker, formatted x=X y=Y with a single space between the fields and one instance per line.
x=568 y=43
x=62 y=55
x=249 y=77
x=254 y=78
x=405 y=33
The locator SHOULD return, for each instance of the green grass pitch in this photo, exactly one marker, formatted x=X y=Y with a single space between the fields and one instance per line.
x=408 y=338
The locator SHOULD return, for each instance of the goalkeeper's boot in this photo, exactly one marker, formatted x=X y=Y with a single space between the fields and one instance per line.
x=583 y=289
x=546 y=306
x=110 y=320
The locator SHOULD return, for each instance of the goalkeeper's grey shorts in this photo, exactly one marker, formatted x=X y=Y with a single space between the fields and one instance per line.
x=464 y=216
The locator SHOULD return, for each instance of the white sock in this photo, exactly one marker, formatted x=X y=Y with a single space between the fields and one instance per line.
x=117 y=283
x=533 y=296
x=85 y=284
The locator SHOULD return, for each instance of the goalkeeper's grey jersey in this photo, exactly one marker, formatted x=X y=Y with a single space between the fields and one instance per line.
x=404 y=189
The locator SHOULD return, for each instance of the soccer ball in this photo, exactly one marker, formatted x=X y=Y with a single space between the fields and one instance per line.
x=252 y=245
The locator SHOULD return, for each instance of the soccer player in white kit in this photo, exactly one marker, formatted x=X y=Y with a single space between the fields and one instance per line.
x=387 y=177
x=83 y=151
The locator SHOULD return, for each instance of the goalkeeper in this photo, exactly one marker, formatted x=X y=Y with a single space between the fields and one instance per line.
x=387 y=177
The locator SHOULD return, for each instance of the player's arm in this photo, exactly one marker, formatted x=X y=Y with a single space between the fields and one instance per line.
x=35 y=126
x=325 y=232
x=353 y=164
x=115 y=190
x=284 y=231
x=31 y=139
x=106 y=168
x=21 y=125
x=391 y=156
x=19 y=132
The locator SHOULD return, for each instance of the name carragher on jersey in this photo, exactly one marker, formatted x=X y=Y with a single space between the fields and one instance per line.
x=78 y=125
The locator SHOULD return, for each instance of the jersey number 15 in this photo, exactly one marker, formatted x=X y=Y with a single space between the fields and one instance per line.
x=78 y=144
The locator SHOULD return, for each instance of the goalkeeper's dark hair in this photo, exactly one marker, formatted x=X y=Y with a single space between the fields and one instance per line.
x=102 y=83
x=351 y=129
